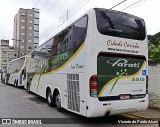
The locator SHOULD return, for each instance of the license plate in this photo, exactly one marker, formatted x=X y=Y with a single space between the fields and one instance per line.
x=124 y=97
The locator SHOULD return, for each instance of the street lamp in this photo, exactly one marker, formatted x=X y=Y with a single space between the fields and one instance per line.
x=18 y=46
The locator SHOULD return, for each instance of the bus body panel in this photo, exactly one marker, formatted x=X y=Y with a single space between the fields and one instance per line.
x=72 y=77
x=69 y=80
x=115 y=107
x=108 y=44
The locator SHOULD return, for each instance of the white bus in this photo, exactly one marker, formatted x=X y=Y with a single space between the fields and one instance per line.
x=96 y=66
x=16 y=72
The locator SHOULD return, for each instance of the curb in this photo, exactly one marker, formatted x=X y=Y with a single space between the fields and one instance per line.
x=140 y=116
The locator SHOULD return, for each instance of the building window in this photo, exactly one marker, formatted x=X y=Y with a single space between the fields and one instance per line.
x=30 y=34
x=30 y=28
x=30 y=21
x=5 y=60
x=35 y=45
x=30 y=15
x=22 y=40
x=22 y=47
x=36 y=27
x=22 y=20
x=29 y=47
x=22 y=34
x=4 y=53
x=22 y=27
x=36 y=15
x=23 y=14
x=4 y=67
x=36 y=40
x=36 y=21
x=30 y=41
x=10 y=53
x=36 y=10
x=36 y=34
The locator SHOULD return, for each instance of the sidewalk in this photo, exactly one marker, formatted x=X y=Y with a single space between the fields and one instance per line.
x=148 y=114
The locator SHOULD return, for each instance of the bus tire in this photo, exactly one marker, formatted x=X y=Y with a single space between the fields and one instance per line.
x=58 y=102
x=15 y=83
x=49 y=98
x=28 y=88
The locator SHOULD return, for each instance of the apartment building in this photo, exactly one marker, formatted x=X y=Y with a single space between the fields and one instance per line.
x=7 y=53
x=26 y=31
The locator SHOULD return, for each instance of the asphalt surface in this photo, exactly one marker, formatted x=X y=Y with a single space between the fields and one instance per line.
x=16 y=104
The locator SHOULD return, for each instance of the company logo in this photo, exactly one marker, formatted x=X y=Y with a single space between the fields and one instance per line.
x=122 y=63
x=6 y=121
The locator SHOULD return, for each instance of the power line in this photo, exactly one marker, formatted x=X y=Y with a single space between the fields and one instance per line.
x=118 y=4
x=69 y=13
x=41 y=3
x=132 y=5
x=36 y=3
x=44 y=4
x=61 y=17
x=52 y=7
x=64 y=17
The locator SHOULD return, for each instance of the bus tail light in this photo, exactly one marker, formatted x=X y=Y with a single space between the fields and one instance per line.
x=93 y=85
x=146 y=84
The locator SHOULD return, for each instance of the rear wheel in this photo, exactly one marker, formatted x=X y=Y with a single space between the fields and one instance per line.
x=15 y=83
x=58 y=102
x=28 y=88
x=50 y=99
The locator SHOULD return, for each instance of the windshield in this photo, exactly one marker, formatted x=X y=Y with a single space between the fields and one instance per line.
x=118 y=24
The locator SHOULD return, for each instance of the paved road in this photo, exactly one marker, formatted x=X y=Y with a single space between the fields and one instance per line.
x=17 y=103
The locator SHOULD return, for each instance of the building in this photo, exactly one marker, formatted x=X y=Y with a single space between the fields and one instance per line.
x=7 y=53
x=26 y=31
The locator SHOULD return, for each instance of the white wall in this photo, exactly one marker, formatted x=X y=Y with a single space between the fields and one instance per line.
x=154 y=85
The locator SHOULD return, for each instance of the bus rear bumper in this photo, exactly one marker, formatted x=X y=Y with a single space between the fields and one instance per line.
x=98 y=109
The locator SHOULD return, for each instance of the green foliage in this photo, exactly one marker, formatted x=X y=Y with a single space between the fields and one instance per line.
x=154 y=47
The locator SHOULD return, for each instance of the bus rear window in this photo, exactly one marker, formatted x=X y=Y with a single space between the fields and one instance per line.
x=119 y=24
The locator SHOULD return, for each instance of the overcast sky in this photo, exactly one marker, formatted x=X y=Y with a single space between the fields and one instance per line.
x=51 y=10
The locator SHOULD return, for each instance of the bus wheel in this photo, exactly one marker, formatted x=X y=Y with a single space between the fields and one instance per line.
x=50 y=99
x=28 y=88
x=58 y=102
x=15 y=83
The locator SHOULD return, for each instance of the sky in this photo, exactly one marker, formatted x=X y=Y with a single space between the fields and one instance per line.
x=52 y=10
